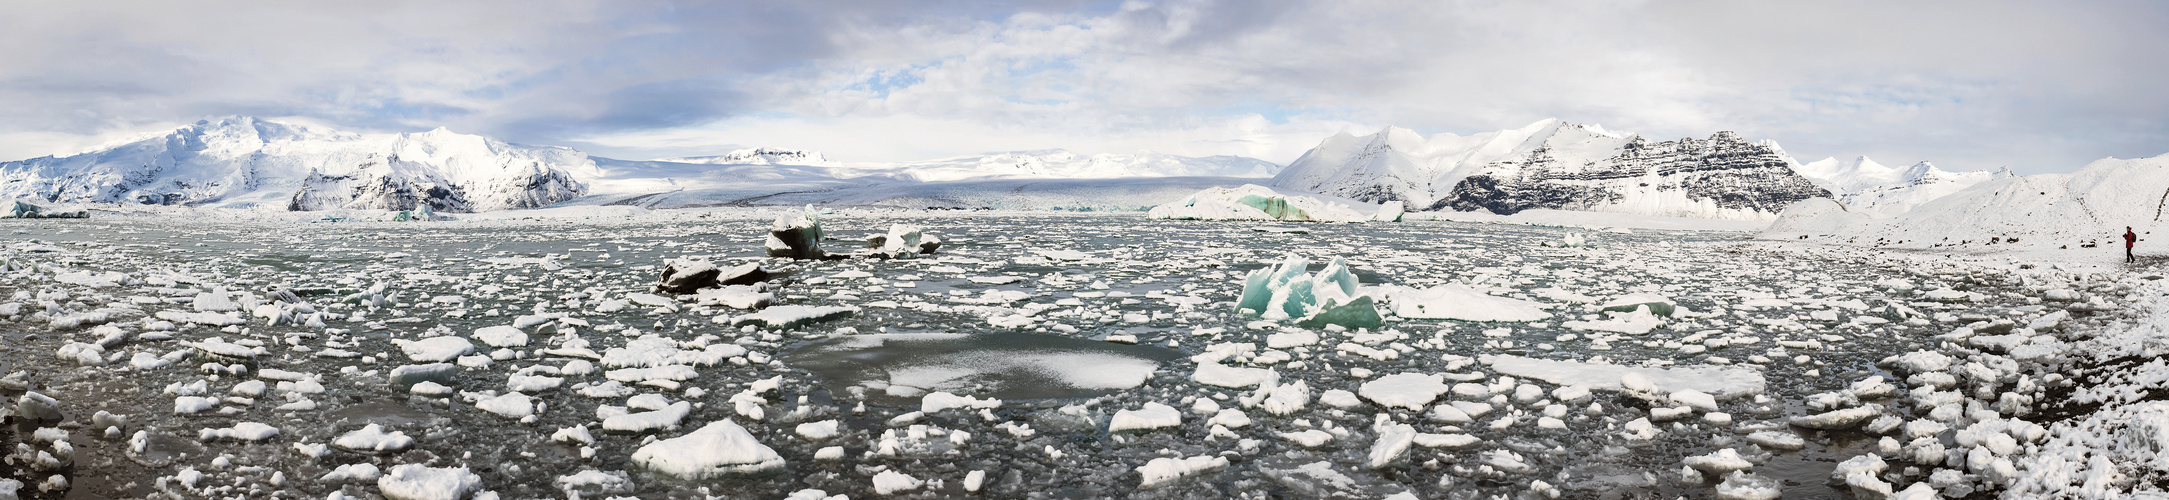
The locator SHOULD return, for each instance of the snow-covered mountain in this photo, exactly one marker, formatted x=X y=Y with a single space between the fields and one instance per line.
x=244 y=162
x=1871 y=188
x=248 y=162
x=2081 y=211
x=756 y=156
x=1062 y=164
x=1552 y=164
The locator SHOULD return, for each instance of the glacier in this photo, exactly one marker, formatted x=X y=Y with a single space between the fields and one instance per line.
x=1873 y=189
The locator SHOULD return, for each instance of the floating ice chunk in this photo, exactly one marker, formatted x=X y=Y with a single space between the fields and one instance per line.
x=1696 y=399
x=1776 y=440
x=1393 y=441
x=1254 y=202
x=1389 y=211
x=666 y=418
x=1310 y=438
x=1719 y=462
x=936 y=402
x=216 y=300
x=736 y=296
x=532 y=383
x=360 y=473
x=1748 y=486
x=798 y=238
x=405 y=377
x=719 y=449
x=500 y=336
x=793 y=315
x=1216 y=374
x=592 y=483
x=1921 y=361
x=817 y=431
x=243 y=431
x=1637 y=322
x=1446 y=440
x=902 y=241
x=36 y=407
x=1841 y=419
x=1657 y=304
x=1339 y=399
x=372 y=438
x=435 y=349
x=1405 y=390
x=1291 y=338
x=573 y=435
x=421 y=482
x=219 y=349
x=510 y=405
x=1163 y=470
x=1151 y=416
x=891 y=482
x=1459 y=302
x=1722 y=383
x=186 y=405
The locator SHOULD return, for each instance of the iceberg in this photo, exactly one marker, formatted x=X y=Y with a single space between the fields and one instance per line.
x=1254 y=202
x=1330 y=296
x=798 y=238
x=904 y=240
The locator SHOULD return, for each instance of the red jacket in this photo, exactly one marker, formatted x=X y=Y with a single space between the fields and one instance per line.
x=2129 y=238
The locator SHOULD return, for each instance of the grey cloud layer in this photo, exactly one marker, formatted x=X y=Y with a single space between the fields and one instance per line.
x=2037 y=86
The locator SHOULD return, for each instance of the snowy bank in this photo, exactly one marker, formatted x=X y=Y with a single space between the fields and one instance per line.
x=1254 y=202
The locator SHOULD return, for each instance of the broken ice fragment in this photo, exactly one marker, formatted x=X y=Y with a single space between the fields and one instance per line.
x=720 y=449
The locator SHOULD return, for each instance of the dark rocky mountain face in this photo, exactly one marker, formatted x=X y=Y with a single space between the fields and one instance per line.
x=1721 y=173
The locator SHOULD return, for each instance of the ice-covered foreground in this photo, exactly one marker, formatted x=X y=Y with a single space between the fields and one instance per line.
x=1034 y=354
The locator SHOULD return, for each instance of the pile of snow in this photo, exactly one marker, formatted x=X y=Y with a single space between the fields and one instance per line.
x=1254 y=202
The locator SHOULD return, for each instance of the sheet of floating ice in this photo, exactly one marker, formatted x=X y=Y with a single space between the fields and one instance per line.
x=793 y=315
x=511 y=405
x=1459 y=302
x=936 y=402
x=1393 y=441
x=1213 y=373
x=421 y=482
x=1010 y=366
x=736 y=296
x=1747 y=486
x=721 y=448
x=1721 y=382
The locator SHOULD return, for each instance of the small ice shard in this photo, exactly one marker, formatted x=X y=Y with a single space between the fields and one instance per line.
x=817 y=431
x=1163 y=470
x=721 y=448
x=593 y=483
x=798 y=238
x=421 y=482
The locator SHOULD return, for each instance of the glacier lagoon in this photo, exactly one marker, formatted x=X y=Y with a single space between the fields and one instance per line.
x=1033 y=355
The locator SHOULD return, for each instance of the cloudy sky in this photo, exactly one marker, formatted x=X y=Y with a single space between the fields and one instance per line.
x=2036 y=86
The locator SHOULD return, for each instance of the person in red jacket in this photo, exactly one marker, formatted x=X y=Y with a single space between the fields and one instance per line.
x=2130 y=238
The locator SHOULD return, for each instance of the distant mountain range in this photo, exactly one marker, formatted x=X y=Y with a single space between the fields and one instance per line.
x=1552 y=164
x=245 y=162
x=1870 y=187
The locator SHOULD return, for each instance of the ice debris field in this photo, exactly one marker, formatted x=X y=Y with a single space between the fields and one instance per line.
x=737 y=353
